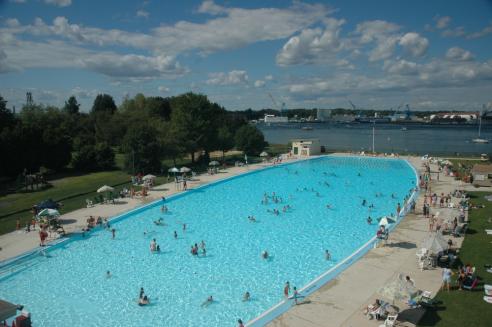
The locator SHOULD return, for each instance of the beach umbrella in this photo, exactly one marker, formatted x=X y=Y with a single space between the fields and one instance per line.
x=50 y=204
x=185 y=170
x=214 y=163
x=435 y=243
x=264 y=154
x=148 y=177
x=386 y=221
x=398 y=289
x=105 y=188
x=173 y=170
x=48 y=213
x=447 y=162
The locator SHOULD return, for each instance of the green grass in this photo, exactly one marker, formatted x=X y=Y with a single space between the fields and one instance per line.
x=467 y=308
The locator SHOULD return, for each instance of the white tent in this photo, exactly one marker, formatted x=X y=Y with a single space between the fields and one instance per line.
x=264 y=154
x=173 y=170
x=185 y=170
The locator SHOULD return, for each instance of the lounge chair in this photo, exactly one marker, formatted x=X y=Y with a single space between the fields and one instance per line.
x=88 y=203
x=421 y=254
x=375 y=313
x=390 y=321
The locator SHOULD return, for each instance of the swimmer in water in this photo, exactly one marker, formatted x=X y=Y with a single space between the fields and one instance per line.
x=246 y=297
x=328 y=206
x=175 y=235
x=108 y=274
x=327 y=255
x=369 y=220
x=143 y=301
x=208 y=301
x=264 y=254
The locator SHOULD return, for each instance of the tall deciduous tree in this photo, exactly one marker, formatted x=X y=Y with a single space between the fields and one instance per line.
x=250 y=140
x=104 y=103
x=225 y=140
x=142 y=150
x=71 y=106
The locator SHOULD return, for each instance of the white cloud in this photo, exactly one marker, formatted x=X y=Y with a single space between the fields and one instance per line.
x=459 y=54
x=163 y=89
x=312 y=45
x=442 y=22
x=142 y=13
x=18 y=1
x=133 y=66
x=59 y=3
x=82 y=93
x=484 y=32
x=269 y=77
x=210 y=7
x=402 y=67
x=260 y=83
x=454 y=32
x=384 y=34
x=415 y=44
x=233 y=77
x=12 y=22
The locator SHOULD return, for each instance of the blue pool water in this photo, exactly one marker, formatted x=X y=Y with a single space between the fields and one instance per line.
x=68 y=286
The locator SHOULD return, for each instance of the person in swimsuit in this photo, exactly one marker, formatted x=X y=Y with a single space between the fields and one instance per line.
x=286 y=289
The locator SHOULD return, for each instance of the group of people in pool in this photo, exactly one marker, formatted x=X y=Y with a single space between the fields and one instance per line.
x=195 y=251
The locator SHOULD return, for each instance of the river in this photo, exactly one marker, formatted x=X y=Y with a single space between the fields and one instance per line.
x=408 y=138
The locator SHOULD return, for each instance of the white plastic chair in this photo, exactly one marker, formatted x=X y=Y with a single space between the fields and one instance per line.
x=89 y=203
x=390 y=321
x=421 y=254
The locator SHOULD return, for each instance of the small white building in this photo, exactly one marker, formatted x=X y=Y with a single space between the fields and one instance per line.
x=276 y=119
x=306 y=147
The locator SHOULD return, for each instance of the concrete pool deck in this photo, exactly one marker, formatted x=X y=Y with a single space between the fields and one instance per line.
x=338 y=303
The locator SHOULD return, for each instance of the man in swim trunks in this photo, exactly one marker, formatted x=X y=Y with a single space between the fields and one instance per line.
x=286 y=289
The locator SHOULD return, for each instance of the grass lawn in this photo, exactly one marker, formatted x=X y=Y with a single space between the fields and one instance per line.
x=467 y=308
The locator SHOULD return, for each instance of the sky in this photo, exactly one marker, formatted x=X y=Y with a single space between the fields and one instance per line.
x=381 y=54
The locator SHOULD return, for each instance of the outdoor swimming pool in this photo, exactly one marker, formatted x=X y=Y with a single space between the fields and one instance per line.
x=69 y=286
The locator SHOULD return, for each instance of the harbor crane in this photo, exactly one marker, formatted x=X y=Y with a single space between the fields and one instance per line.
x=281 y=108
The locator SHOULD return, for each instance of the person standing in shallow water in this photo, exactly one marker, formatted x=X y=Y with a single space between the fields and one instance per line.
x=286 y=289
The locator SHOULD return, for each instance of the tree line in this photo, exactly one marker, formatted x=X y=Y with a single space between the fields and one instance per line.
x=145 y=129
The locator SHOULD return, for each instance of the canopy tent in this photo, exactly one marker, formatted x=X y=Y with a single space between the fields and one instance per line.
x=447 y=162
x=185 y=170
x=148 y=177
x=398 y=289
x=385 y=221
x=47 y=204
x=7 y=310
x=214 y=163
x=264 y=154
x=435 y=243
x=105 y=188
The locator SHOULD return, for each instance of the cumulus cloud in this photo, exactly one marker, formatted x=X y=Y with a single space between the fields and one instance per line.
x=484 y=32
x=142 y=13
x=312 y=45
x=269 y=78
x=133 y=66
x=233 y=77
x=415 y=44
x=82 y=93
x=59 y=3
x=210 y=7
x=459 y=54
x=442 y=22
x=163 y=89
x=402 y=67
x=384 y=34
x=12 y=22
x=260 y=83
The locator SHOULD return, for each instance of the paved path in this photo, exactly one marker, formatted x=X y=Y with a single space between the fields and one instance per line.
x=342 y=301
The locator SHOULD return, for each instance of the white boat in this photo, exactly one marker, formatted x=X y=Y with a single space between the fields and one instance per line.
x=307 y=128
x=479 y=139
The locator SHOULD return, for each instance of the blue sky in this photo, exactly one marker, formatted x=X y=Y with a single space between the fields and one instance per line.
x=433 y=55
